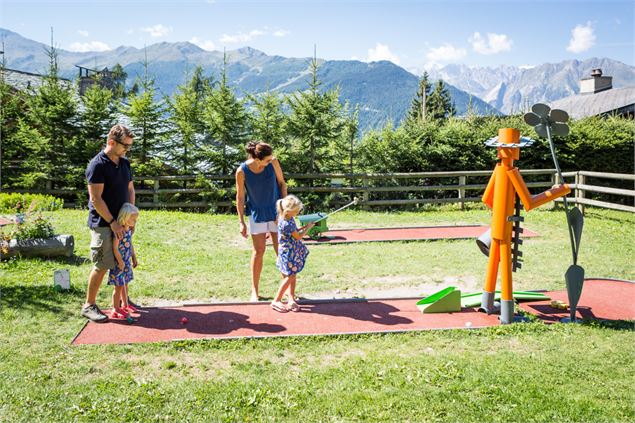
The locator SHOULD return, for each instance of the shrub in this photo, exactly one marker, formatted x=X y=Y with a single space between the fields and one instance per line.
x=21 y=203
x=33 y=227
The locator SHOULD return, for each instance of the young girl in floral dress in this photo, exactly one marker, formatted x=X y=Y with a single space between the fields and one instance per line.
x=292 y=252
x=126 y=259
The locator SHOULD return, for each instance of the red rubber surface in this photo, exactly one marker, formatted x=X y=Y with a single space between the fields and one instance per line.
x=600 y=299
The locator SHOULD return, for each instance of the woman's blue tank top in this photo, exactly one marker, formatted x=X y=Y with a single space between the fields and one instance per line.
x=262 y=193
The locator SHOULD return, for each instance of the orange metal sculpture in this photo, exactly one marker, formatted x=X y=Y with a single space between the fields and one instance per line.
x=500 y=196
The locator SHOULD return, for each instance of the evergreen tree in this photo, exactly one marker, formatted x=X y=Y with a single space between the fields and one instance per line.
x=225 y=121
x=416 y=113
x=97 y=117
x=441 y=105
x=12 y=107
x=315 y=122
x=185 y=119
x=268 y=122
x=147 y=121
x=51 y=122
x=351 y=130
x=119 y=77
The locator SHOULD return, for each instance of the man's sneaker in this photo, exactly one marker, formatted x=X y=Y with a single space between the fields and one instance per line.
x=94 y=314
x=134 y=306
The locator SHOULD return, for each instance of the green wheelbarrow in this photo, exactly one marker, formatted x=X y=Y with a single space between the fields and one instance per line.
x=320 y=224
x=319 y=219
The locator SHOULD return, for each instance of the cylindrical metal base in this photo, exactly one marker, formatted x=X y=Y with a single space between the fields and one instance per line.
x=487 y=302
x=507 y=312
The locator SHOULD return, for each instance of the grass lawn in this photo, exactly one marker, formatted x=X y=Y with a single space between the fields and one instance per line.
x=529 y=372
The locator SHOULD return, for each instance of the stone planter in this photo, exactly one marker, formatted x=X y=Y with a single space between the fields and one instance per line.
x=60 y=245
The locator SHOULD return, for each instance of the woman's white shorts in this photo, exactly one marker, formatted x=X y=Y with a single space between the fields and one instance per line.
x=256 y=228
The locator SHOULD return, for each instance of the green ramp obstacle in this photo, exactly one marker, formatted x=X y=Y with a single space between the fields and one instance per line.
x=444 y=301
x=474 y=299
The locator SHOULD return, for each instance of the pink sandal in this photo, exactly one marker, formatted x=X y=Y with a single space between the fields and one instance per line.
x=114 y=314
x=131 y=309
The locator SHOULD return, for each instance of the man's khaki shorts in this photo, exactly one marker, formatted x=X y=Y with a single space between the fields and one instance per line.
x=101 y=248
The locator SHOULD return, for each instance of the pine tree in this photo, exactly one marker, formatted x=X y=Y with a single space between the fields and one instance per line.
x=185 y=118
x=417 y=112
x=12 y=107
x=51 y=123
x=315 y=122
x=119 y=77
x=97 y=117
x=268 y=123
x=441 y=105
x=226 y=123
x=147 y=121
x=351 y=130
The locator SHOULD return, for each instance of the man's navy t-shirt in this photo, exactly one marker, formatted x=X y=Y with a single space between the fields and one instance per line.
x=115 y=177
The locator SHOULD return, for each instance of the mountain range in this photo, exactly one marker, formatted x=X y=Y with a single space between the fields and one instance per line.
x=382 y=90
x=512 y=89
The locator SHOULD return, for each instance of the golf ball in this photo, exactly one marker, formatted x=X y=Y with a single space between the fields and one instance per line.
x=468 y=324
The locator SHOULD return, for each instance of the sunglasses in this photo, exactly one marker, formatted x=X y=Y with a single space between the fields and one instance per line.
x=126 y=147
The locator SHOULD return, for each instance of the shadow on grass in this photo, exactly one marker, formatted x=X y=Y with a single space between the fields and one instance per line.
x=614 y=218
x=69 y=261
x=38 y=298
x=628 y=325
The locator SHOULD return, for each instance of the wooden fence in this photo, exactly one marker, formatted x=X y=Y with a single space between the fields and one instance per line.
x=374 y=190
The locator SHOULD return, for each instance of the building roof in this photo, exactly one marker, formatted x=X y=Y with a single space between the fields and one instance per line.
x=583 y=105
x=23 y=81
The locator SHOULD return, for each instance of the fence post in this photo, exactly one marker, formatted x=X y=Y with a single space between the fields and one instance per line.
x=554 y=181
x=155 y=189
x=462 y=181
x=365 y=195
x=579 y=192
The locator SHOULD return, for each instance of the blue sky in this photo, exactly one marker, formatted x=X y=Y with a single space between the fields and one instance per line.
x=412 y=34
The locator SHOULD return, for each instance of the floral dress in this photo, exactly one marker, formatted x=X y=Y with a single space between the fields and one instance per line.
x=292 y=253
x=121 y=277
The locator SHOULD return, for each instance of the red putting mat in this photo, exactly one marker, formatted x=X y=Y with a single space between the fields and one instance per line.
x=404 y=234
x=603 y=299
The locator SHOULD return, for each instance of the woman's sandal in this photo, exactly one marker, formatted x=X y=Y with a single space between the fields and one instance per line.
x=280 y=308
x=294 y=307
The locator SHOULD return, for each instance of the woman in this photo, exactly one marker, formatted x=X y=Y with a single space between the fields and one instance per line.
x=260 y=182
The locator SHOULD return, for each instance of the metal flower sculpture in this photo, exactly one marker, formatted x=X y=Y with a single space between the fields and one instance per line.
x=547 y=123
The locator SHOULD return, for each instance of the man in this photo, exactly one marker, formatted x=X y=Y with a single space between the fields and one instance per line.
x=109 y=187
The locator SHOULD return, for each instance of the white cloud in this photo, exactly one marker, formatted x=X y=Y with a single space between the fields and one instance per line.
x=82 y=32
x=495 y=43
x=90 y=46
x=158 y=30
x=241 y=37
x=582 y=38
x=281 y=33
x=446 y=53
x=382 y=52
x=204 y=44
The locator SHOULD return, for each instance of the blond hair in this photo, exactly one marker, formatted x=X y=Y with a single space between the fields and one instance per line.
x=125 y=212
x=288 y=204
